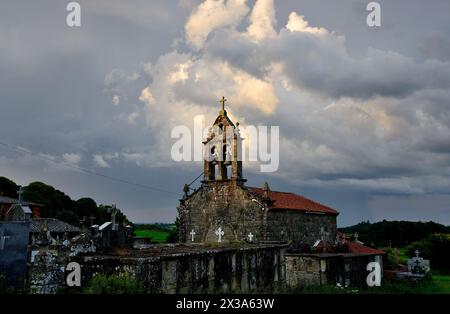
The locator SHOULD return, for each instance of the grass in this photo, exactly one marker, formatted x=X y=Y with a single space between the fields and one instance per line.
x=158 y=236
x=396 y=255
x=121 y=284
x=437 y=284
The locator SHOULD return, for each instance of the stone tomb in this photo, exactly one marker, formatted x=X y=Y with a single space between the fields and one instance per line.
x=418 y=265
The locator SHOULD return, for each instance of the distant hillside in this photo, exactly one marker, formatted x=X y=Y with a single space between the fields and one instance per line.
x=396 y=233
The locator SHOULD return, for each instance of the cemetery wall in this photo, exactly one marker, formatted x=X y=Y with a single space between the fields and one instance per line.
x=210 y=270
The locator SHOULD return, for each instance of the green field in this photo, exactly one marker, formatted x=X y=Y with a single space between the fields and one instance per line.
x=437 y=284
x=157 y=236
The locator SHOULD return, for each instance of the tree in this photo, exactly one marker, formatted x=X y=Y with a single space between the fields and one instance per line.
x=8 y=188
x=396 y=233
x=55 y=202
x=173 y=236
x=59 y=205
x=436 y=248
x=86 y=207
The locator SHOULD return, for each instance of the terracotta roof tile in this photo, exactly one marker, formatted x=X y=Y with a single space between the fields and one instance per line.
x=355 y=247
x=53 y=225
x=9 y=200
x=292 y=201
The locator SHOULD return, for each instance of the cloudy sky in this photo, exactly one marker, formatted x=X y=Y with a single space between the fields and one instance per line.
x=364 y=113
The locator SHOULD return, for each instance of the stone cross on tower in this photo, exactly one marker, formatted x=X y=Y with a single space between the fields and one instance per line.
x=113 y=212
x=356 y=235
x=222 y=101
x=20 y=193
x=220 y=233
x=250 y=237
x=92 y=219
x=417 y=252
x=192 y=233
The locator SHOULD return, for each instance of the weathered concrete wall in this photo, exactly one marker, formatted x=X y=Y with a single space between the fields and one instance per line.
x=14 y=250
x=208 y=270
x=299 y=227
x=46 y=271
x=318 y=269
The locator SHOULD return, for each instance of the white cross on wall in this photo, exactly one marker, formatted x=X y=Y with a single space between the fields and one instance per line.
x=3 y=241
x=322 y=233
x=250 y=237
x=192 y=235
x=220 y=233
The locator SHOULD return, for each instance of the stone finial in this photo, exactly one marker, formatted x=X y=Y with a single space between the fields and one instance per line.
x=113 y=211
x=266 y=191
x=185 y=190
x=20 y=194
x=66 y=233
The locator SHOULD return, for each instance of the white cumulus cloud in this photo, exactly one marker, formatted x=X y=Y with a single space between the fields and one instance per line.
x=211 y=15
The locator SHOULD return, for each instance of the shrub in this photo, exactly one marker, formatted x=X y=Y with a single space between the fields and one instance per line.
x=121 y=284
x=172 y=237
x=7 y=287
x=436 y=248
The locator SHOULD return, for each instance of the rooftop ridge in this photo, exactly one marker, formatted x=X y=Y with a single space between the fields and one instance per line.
x=288 y=204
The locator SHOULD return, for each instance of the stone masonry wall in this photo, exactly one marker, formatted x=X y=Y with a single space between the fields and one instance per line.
x=209 y=270
x=224 y=205
x=299 y=227
x=318 y=269
x=237 y=212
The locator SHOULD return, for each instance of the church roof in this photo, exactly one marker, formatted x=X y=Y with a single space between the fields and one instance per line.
x=292 y=201
x=53 y=225
x=355 y=247
x=9 y=200
x=358 y=247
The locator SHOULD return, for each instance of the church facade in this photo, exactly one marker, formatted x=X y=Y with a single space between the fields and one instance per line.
x=225 y=209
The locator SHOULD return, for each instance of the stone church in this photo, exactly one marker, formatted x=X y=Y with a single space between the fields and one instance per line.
x=225 y=209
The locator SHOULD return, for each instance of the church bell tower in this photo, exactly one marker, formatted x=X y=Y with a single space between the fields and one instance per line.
x=222 y=150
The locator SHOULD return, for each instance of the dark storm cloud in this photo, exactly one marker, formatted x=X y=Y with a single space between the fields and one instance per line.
x=324 y=65
x=53 y=85
x=361 y=117
x=435 y=47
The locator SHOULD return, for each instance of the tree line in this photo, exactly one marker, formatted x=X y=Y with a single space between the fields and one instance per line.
x=59 y=205
x=394 y=233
